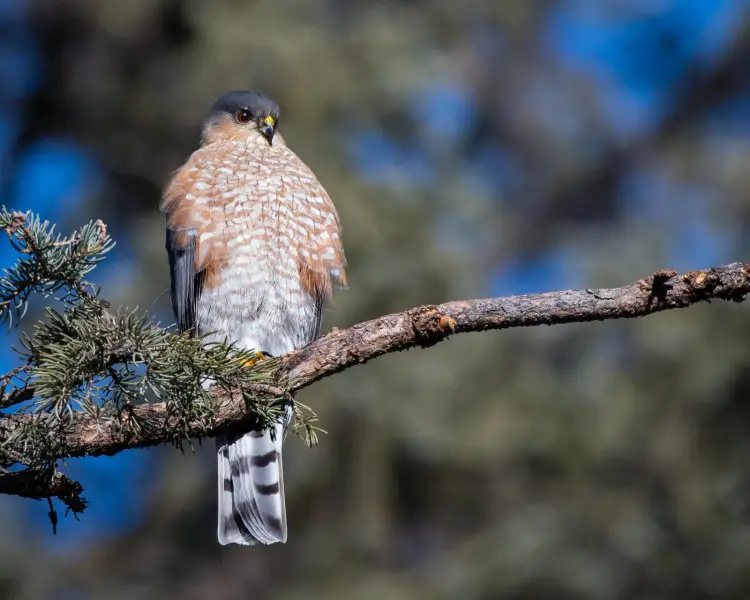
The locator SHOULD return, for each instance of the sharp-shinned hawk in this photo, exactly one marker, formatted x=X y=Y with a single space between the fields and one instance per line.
x=254 y=245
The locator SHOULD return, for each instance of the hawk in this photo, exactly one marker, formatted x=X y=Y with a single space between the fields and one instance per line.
x=255 y=250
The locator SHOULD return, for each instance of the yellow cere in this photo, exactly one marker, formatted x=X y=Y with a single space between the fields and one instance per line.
x=269 y=120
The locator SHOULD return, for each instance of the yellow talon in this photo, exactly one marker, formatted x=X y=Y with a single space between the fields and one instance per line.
x=249 y=362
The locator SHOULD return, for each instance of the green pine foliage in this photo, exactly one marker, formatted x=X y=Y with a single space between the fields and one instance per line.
x=84 y=361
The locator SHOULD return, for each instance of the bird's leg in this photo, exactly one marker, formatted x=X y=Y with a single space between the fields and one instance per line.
x=249 y=362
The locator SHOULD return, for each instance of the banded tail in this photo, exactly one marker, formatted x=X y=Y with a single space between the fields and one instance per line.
x=252 y=507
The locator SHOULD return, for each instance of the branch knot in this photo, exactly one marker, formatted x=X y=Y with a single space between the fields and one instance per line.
x=430 y=326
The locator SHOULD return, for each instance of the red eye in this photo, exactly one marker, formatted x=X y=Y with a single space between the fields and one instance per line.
x=243 y=116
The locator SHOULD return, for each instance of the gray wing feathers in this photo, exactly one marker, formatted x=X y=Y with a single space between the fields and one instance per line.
x=251 y=488
x=183 y=288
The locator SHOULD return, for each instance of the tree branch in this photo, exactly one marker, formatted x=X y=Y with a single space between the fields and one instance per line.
x=427 y=325
x=38 y=486
x=423 y=326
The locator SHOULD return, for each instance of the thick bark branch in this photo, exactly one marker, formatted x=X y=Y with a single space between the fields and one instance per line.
x=423 y=326
x=427 y=325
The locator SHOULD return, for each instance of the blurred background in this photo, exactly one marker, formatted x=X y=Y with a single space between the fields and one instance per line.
x=473 y=149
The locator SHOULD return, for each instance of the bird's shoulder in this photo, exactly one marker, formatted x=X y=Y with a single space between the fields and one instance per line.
x=318 y=240
x=194 y=183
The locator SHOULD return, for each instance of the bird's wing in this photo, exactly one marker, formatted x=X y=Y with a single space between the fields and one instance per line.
x=192 y=256
x=183 y=289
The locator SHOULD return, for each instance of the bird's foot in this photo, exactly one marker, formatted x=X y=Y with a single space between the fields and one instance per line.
x=249 y=362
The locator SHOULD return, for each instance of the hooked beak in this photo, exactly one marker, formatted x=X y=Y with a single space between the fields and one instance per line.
x=267 y=127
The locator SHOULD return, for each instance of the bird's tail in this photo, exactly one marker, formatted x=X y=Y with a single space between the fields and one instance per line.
x=251 y=486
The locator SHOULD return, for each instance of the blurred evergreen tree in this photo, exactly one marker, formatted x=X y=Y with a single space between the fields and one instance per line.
x=573 y=144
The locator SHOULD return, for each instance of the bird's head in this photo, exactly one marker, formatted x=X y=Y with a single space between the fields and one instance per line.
x=237 y=114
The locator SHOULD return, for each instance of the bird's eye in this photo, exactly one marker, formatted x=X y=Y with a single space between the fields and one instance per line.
x=243 y=116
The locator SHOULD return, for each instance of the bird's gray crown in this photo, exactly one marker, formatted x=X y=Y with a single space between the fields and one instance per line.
x=255 y=103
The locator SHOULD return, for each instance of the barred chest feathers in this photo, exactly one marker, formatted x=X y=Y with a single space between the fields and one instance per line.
x=270 y=221
x=259 y=305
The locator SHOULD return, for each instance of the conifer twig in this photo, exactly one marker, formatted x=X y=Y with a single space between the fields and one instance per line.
x=40 y=485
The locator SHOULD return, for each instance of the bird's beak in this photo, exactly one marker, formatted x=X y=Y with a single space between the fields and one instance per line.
x=267 y=127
